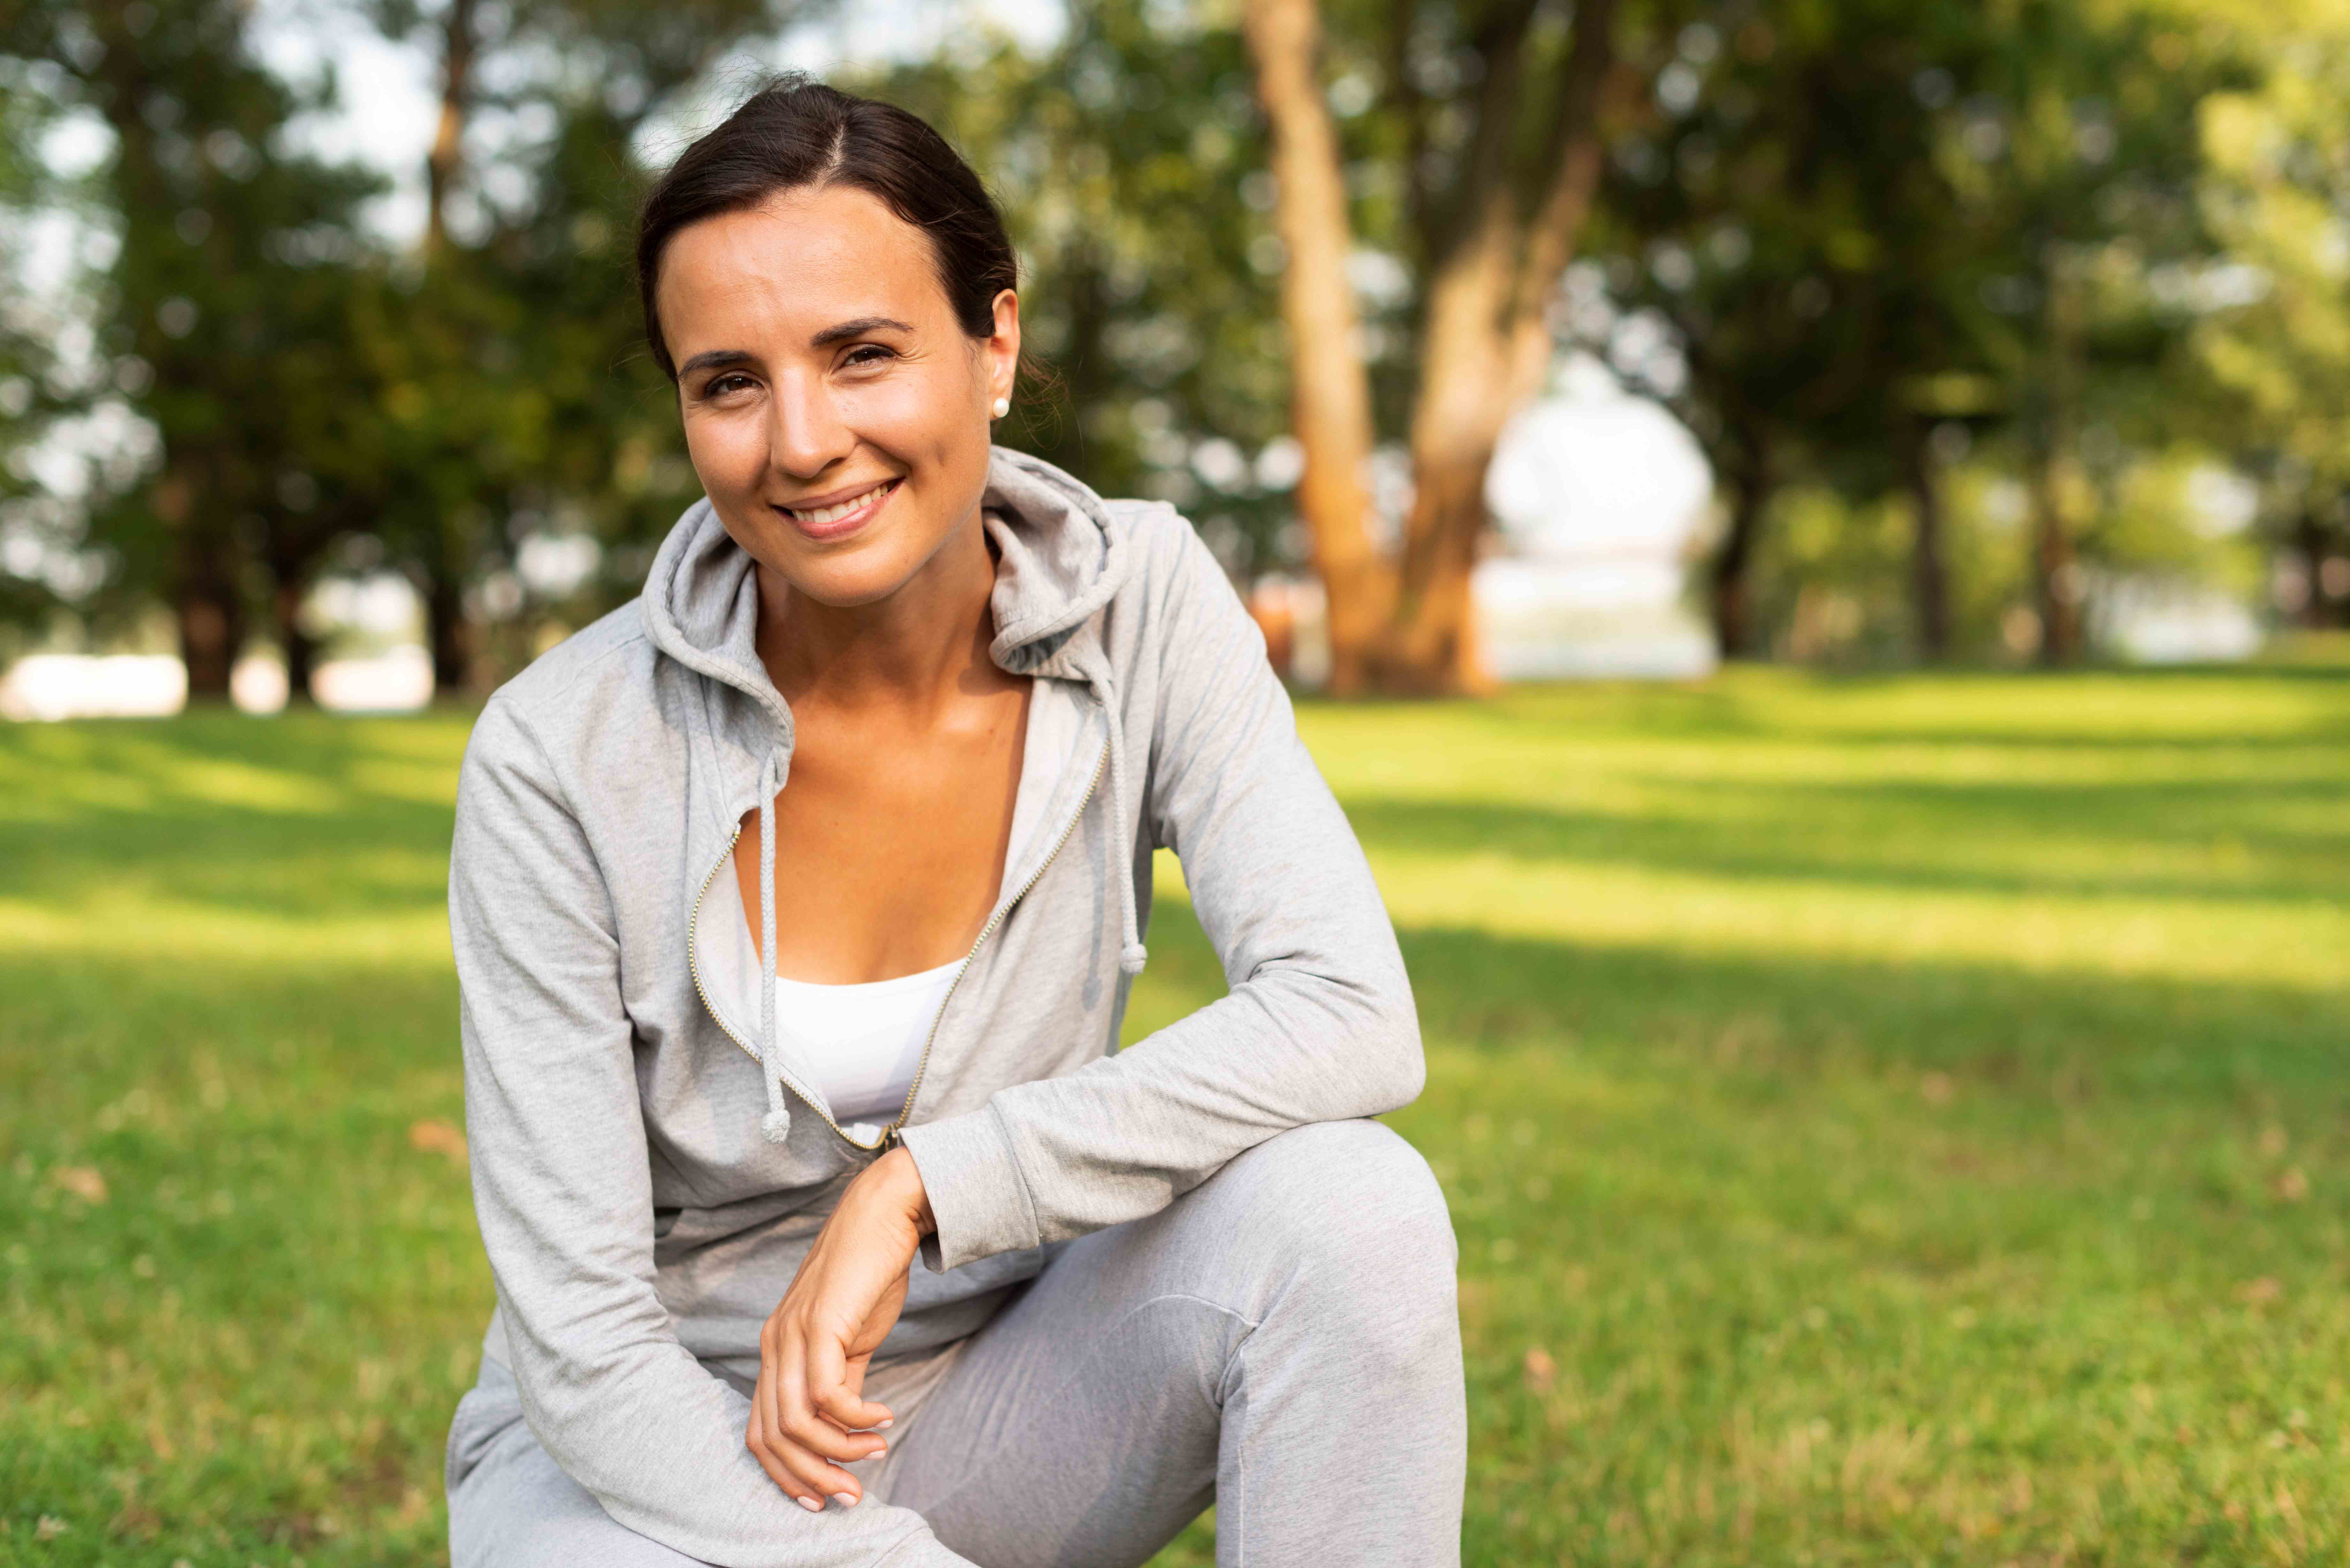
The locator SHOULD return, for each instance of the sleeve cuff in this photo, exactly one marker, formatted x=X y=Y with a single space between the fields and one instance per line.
x=977 y=1194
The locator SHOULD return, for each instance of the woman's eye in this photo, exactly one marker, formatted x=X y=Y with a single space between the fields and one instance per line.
x=720 y=386
x=867 y=354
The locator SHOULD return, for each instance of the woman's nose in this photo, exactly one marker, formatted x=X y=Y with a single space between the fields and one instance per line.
x=807 y=435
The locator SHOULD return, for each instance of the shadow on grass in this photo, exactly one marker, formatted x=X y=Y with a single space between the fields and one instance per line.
x=305 y=817
x=1857 y=836
x=1783 y=1019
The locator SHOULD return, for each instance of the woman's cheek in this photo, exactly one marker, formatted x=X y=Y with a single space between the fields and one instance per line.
x=926 y=412
x=727 y=454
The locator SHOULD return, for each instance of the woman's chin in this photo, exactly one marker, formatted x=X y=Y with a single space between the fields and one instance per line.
x=866 y=577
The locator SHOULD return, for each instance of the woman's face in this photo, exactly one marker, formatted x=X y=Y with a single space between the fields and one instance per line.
x=835 y=411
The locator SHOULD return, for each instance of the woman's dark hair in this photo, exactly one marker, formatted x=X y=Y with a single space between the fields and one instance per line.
x=793 y=134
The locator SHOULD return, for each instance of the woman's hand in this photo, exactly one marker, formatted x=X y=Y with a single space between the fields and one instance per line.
x=808 y=1413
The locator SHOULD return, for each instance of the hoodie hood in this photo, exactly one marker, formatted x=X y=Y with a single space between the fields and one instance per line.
x=1059 y=562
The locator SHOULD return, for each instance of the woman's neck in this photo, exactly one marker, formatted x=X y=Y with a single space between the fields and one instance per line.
x=910 y=649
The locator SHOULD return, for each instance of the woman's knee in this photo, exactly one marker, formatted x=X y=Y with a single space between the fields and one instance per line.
x=1349 y=1201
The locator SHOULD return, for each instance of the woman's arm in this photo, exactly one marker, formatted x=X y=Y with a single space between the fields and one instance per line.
x=563 y=1190
x=1318 y=1025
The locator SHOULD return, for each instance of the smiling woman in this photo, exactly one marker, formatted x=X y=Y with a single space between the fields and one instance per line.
x=934 y=705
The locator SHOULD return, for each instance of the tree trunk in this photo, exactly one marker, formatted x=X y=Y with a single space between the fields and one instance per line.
x=2054 y=479
x=2056 y=575
x=446 y=157
x=445 y=624
x=205 y=603
x=1330 y=393
x=211 y=615
x=295 y=645
x=1930 y=578
x=2316 y=612
x=1485 y=348
x=1733 y=624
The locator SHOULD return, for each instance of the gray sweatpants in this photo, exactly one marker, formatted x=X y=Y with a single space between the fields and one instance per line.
x=1282 y=1341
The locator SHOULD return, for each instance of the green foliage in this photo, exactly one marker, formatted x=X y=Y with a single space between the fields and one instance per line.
x=224 y=315
x=1886 y=1120
x=2274 y=355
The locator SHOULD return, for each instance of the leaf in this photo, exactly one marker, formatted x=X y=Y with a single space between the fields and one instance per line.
x=435 y=1135
x=83 y=1181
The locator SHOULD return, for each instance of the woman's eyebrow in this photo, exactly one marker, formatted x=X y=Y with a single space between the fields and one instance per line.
x=856 y=328
x=711 y=359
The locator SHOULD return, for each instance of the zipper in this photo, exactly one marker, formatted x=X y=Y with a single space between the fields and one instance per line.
x=694 y=967
x=890 y=1135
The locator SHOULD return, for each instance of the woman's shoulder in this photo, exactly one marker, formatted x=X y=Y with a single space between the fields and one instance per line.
x=592 y=671
x=1169 y=564
x=599 y=651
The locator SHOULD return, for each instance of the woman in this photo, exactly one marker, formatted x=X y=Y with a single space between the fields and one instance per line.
x=794 y=907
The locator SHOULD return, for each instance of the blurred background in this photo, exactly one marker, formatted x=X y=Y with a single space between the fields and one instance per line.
x=1832 y=334
x=1813 y=539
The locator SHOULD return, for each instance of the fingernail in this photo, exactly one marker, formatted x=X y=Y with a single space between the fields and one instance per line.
x=843 y=1499
x=880 y=1425
x=811 y=1505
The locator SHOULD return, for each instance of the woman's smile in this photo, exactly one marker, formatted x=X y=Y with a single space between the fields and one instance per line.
x=840 y=513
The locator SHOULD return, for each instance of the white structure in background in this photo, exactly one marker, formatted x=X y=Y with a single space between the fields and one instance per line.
x=382 y=613
x=1599 y=495
x=94 y=686
x=2150 y=621
x=397 y=680
x=388 y=672
x=257 y=684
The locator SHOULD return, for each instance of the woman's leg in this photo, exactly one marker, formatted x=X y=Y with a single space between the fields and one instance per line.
x=1282 y=1340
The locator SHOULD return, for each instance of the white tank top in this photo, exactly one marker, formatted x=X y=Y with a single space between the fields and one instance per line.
x=863 y=1042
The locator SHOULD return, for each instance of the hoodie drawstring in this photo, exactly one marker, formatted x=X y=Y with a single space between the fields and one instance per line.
x=776 y=1125
x=1133 y=955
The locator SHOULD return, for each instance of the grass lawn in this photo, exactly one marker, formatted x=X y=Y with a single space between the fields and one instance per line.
x=1886 y=1120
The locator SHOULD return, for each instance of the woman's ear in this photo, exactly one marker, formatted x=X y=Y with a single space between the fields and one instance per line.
x=1002 y=348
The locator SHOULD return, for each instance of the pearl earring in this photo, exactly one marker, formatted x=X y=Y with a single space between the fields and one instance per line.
x=1003 y=407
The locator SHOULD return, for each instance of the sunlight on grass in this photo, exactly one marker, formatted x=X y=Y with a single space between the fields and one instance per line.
x=1886 y=1120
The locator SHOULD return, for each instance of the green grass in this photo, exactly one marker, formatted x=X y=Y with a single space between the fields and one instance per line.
x=1887 y=1121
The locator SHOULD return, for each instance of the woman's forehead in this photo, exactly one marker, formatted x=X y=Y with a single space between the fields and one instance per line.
x=802 y=259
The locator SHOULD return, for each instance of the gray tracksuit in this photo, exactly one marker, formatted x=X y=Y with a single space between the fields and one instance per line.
x=648 y=1164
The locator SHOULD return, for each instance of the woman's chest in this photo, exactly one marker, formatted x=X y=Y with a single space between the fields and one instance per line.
x=890 y=840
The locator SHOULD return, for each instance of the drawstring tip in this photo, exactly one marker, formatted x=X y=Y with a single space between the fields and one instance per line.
x=776 y=1125
x=1131 y=958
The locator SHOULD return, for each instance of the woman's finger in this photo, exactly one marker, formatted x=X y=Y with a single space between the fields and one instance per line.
x=761 y=1444
x=835 y=1395
x=816 y=1438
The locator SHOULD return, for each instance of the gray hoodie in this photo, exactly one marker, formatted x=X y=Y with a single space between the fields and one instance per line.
x=649 y=1166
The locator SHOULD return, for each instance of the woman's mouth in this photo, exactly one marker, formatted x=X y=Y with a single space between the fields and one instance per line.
x=845 y=516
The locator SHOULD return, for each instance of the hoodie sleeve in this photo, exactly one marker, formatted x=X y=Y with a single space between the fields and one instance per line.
x=563 y=1191
x=1318 y=1025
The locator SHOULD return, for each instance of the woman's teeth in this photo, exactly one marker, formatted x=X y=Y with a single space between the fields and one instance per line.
x=833 y=513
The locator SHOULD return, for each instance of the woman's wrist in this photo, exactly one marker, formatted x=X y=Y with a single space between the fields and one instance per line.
x=901 y=1181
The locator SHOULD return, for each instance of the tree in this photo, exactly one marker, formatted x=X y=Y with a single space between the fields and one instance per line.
x=228 y=306
x=36 y=391
x=2272 y=349
x=1331 y=396
x=1780 y=210
x=1499 y=168
x=2077 y=167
